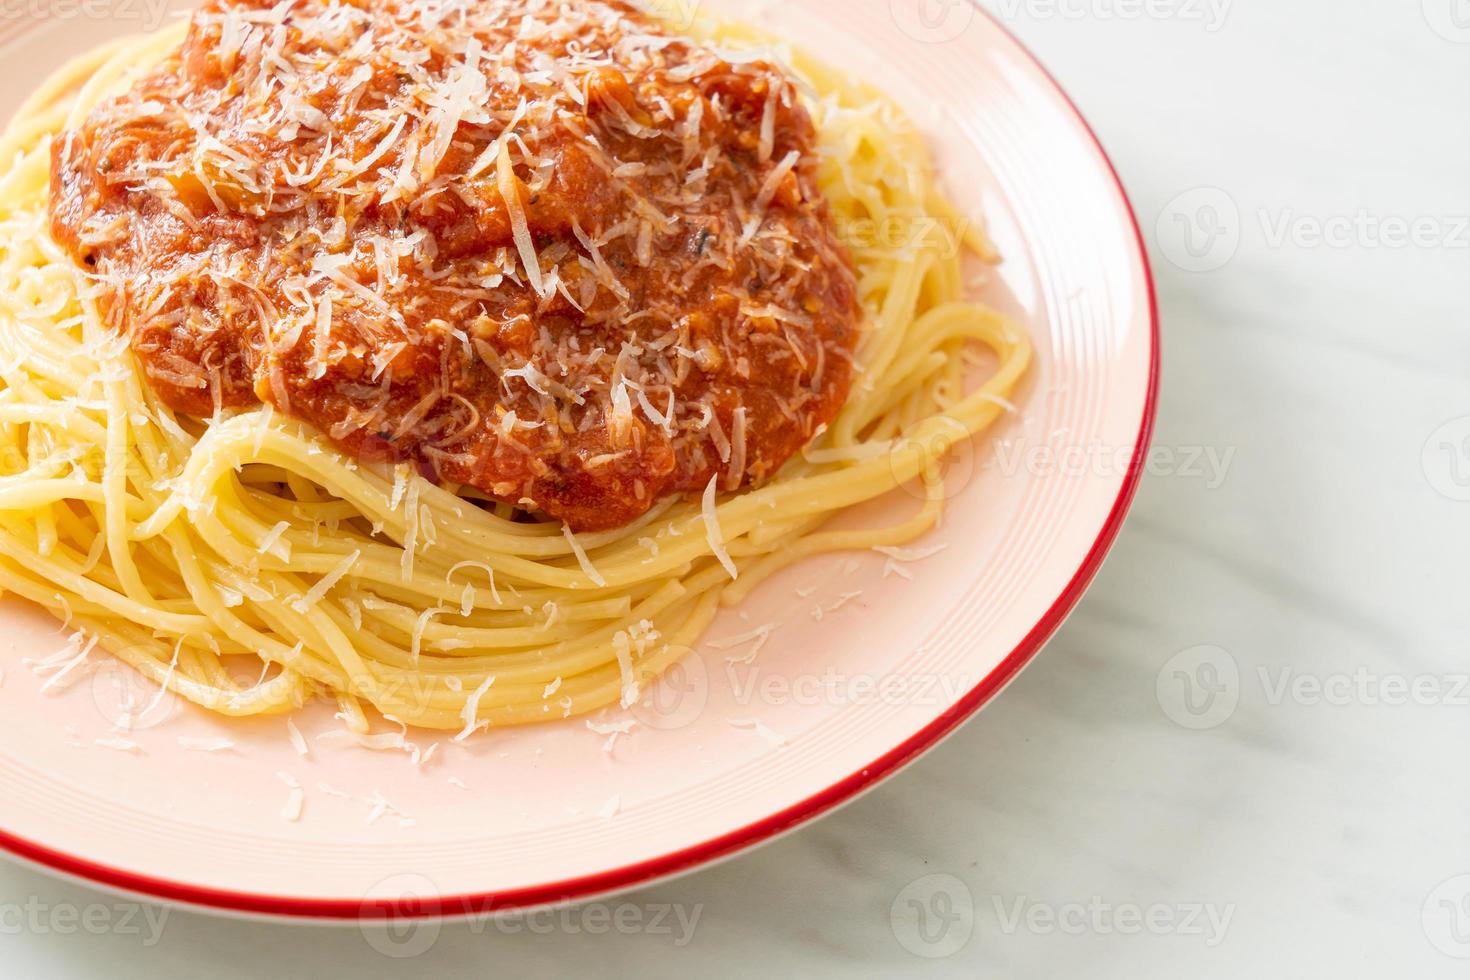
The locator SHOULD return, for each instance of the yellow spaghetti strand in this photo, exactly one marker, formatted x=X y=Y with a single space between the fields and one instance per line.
x=183 y=544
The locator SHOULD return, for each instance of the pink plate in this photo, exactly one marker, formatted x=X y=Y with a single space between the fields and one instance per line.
x=867 y=669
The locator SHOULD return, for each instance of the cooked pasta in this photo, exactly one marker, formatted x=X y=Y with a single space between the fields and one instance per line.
x=184 y=543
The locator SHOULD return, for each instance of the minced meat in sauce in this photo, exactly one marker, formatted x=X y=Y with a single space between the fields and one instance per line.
x=545 y=249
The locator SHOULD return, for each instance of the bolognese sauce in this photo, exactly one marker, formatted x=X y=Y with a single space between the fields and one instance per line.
x=545 y=248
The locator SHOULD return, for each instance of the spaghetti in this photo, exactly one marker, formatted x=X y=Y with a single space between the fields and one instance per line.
x=184 y=543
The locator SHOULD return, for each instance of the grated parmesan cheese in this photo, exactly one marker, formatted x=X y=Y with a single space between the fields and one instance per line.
x=582 y=559
x=471 y=710
x=324 y=585
x=712 y=529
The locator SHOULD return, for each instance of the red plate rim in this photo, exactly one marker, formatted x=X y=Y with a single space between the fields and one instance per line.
x=729 y=844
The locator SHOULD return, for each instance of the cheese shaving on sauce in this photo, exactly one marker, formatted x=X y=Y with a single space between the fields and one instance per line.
x=535 y=248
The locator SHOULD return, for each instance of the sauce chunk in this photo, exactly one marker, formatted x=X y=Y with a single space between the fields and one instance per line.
x=546 y=249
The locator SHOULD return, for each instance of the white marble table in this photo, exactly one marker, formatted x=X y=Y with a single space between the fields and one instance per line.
x=1105 y=817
